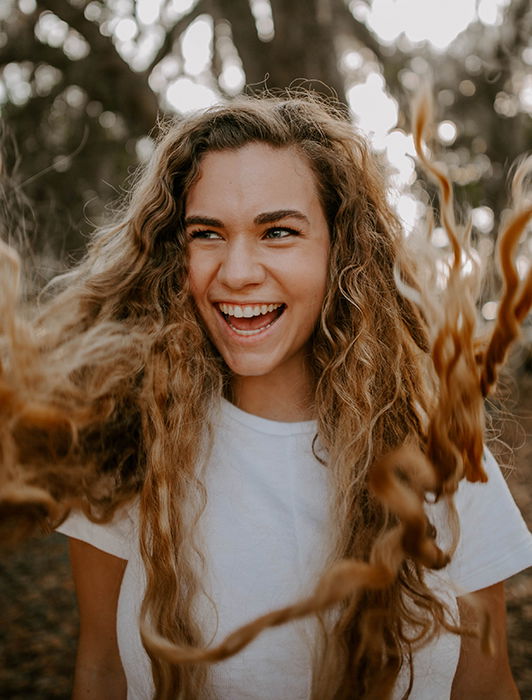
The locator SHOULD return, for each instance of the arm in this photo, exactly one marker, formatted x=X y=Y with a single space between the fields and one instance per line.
x=480 y=676
x=97 y=578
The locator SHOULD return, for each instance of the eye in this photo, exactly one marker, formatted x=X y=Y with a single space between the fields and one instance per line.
x=280 y=232
x=205 y=234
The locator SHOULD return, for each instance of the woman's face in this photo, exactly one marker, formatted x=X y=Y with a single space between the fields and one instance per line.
x=258 y=257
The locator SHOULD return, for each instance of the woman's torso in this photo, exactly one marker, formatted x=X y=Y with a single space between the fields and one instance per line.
x=265 y=533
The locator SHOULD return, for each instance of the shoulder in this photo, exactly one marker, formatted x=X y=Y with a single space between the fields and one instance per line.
x=494 y=541
x=118 y=537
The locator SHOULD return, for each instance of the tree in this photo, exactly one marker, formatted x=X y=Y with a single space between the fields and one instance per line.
x=85 y=80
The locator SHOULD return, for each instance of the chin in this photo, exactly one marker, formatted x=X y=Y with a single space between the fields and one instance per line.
x=250 y=368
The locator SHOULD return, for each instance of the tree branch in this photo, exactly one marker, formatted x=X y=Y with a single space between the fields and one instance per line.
x=115 y=84
x=358 y=29
x=175 y=32
x=253 y=52
x=21 y=32
x=75 y=18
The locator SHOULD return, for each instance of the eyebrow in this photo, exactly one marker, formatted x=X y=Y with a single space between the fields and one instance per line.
x=267 y=217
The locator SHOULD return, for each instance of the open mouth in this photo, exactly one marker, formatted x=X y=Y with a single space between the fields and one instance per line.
x=250 y=319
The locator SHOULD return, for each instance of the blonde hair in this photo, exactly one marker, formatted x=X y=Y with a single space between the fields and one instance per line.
x=121 y=377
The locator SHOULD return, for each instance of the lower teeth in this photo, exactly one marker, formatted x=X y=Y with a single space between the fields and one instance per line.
x=254 y=332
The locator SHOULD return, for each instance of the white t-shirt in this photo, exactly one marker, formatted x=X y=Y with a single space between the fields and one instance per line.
x=265 y=534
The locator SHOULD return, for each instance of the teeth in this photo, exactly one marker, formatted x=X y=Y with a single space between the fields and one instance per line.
x=255 y=332
x=247 y=311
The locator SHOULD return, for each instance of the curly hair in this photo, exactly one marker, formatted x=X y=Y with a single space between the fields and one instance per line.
x=122 y=376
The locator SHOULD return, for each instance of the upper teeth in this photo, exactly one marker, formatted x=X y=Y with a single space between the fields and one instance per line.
x=247 y=311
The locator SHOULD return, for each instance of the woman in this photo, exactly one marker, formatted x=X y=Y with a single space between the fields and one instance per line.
x=240 y=359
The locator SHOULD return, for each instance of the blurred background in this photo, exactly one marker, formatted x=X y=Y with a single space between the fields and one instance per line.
x=82 y=87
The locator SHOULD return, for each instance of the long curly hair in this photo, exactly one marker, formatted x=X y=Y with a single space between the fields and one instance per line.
x=122 y=377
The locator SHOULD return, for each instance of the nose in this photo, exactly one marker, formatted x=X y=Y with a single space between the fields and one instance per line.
x=241 y=265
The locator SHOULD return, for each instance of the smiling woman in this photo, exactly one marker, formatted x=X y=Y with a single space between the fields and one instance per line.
x=260 y=439
x=257 y=269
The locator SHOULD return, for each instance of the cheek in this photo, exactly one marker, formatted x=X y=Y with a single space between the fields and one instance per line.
x=320 y=287
x=198 y=296
x=197 y=278
x=316 y=281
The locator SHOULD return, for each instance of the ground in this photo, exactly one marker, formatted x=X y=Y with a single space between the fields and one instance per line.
x=37 y=637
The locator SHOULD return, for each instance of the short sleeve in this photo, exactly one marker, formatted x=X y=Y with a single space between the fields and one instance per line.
x=117 y=537
x=494 y=540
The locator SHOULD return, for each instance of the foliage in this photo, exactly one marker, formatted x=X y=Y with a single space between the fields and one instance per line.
x=83 y=82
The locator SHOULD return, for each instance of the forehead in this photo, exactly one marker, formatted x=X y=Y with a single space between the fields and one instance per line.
x=255 y=177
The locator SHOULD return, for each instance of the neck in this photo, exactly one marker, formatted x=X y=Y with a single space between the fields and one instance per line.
x=276 y=397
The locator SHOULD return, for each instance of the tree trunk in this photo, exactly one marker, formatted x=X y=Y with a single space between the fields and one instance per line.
x=301 y=52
